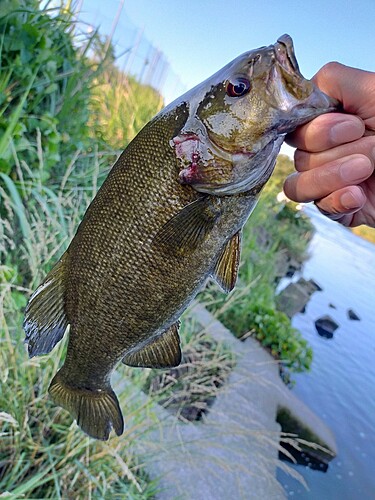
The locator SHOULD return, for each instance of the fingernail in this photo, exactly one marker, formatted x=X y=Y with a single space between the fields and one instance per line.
x=355 y=169
x=346 y=131
x=349 y=201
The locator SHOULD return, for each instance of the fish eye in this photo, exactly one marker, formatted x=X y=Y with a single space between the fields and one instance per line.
x=238 y=87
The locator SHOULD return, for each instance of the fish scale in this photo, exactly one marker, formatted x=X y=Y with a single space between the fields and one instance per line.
x=168 y=217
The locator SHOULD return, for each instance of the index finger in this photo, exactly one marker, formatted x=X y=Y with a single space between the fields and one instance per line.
x=327 y=131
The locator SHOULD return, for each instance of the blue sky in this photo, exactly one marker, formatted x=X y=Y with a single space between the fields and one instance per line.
x=200 y=36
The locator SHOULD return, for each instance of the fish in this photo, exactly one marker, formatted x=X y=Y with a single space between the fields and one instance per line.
x=168 y=218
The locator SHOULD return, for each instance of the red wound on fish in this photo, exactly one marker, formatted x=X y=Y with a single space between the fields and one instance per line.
x=187 y=151
x=189 y=175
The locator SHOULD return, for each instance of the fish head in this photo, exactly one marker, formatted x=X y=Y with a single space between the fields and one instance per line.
x=238 y=118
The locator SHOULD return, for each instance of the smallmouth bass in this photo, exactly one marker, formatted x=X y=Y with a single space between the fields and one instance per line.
x=168 y=217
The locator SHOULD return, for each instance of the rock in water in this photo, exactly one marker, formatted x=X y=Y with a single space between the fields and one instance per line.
x=353 y=316
x=295 y=296
x=326 y=326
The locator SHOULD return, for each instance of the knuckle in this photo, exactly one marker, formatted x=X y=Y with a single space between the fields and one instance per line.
x=329 y=69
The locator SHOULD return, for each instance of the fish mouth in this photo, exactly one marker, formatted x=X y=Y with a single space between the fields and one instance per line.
x=293 y=90
x=287 y=67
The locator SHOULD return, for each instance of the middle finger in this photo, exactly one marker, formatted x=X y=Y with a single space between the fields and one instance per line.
x=305 y=161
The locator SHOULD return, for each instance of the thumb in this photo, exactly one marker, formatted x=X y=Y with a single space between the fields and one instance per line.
x=353 y=87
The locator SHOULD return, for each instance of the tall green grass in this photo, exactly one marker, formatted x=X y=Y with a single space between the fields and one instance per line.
x=45 y=81
x=120 y=107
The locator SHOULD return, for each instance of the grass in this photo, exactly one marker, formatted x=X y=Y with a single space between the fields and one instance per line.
x=189 y=389
x=120 y=107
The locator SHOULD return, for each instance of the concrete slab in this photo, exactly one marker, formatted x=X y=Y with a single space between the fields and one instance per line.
x=233 y=452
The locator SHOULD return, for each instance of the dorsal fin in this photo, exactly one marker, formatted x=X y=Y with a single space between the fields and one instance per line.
x=226 y=269
x=45 y=319
x=164 y=352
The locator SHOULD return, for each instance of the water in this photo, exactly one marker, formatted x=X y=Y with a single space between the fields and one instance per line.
x=341 y=385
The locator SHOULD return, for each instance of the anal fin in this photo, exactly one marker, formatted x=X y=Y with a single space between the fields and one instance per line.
x=45 y=319
x=164 y=352
x=226 y=269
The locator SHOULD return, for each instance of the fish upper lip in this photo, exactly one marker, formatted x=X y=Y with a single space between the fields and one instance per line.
x=284 y=53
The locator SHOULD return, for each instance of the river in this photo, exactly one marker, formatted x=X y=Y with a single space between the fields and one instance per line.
x=340 y=387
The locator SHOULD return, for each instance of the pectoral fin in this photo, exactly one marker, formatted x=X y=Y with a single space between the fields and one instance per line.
x=226 y=270
x=164 y=352
x=185 y=231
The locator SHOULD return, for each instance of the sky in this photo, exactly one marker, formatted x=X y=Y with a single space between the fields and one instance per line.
x=198 y=37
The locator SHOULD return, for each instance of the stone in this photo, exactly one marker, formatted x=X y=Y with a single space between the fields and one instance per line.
x=353 y=316
x=295 y=296
x=318 y=443
x=326 y=326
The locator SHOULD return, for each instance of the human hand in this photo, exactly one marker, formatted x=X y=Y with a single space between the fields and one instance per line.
x=335 y=153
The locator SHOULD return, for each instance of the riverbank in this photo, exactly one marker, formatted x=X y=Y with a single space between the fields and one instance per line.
x=340 y=384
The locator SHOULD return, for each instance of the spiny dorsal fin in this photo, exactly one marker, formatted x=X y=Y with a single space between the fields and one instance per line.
x=45 y=320
x=184 y=232
x=164 y=352
x=226 y=270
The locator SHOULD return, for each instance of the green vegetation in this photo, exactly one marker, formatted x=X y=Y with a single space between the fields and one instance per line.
x=275 y=234
x=50 y=168
x=120 y=107
x=44 y=81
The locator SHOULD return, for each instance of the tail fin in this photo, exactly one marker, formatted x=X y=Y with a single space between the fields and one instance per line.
x=96 y=411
